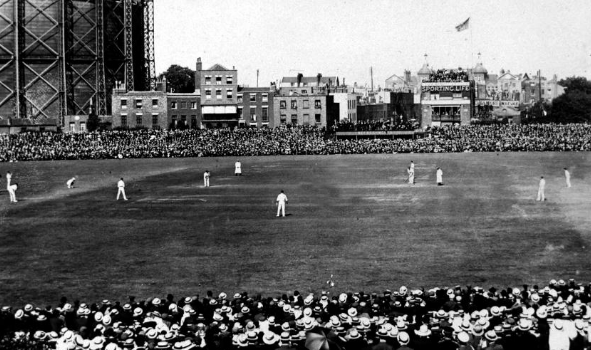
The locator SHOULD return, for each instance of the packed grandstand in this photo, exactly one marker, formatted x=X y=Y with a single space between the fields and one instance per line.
x=555 y=316
x=288 y=140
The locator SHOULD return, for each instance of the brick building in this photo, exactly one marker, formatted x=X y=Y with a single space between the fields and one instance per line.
x=184 y=110
x=255 y=106
x=298 y=109
x=140 y=109
x=218 y=88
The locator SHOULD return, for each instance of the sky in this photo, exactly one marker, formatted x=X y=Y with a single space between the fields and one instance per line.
x=347 y=38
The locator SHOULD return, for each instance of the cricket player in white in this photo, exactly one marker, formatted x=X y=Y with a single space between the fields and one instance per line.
x=541 y=188
x=121 y=189
x=412 y=166
x=238 y=168
x=439 y=174
x=206 y=178
x=9 y=187
x=281 y=200
x=411 y=175
x=567 y=176
x=12 y=192
x=70 y=182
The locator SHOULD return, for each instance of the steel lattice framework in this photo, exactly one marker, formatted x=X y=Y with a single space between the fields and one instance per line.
x=60 y=57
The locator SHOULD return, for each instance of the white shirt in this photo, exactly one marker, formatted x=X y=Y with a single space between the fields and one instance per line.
x=120 y=183
x=282 y=198
x=8 y=178
x=567 y=174
x=542 y=184
x=206 y=175
x=71 y=181
x=412 y=166
x=238 y=165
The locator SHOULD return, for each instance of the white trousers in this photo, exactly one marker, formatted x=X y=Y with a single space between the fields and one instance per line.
x=12 y=194
x=541 y=196
x=121 y=192
x=568 y=182
x=206 y=182
x=281 y=208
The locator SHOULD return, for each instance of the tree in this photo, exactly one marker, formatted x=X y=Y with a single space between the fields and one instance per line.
x=179 y=79
x=574 y=106
x=576 y=84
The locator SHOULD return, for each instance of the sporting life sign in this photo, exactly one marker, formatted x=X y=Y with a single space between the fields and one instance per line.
x=451 y=87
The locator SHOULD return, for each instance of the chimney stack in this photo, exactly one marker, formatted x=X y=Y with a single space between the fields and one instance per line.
x=199 y=68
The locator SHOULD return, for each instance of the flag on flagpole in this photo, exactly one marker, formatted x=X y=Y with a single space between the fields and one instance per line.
x=464 y=25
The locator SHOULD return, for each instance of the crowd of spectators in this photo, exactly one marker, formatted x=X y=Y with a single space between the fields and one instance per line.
x=554 y=317
x=448 y=76
x=289 y=141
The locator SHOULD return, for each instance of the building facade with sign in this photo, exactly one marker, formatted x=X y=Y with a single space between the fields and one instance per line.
x=446 y=97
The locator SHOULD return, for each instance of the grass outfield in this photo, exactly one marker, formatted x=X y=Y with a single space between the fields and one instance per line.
x=353 y=217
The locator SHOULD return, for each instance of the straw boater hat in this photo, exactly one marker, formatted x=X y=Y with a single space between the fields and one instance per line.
x=270 y=338
x=423 y=331
x=463 y=337
x=403 y=338
x=491 y=336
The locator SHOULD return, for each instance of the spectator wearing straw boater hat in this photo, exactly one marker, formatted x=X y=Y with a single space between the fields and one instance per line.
x=422 y=339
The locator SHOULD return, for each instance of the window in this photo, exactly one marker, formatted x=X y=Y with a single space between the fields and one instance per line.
x=306 y=118
x=138 y=103
x=154 y=103
x=253 y=113
x=193 y=105
x=317 y=118
x=294 y=104
x=183 y=105
x=229 y=93
x=194 y=121
x=139 y=119
x=283 y=119
x=154 y=119
x=173 y=104
x=183 y=119
x=304 y=92
x=265 y=115
x=218 y=80
x=218 y=93
x=208 y=94
x=82 y=127
x=229 y=79
x=282 y=104
x=306 y=104
x=294 y=119
x=318 y=104
x=123 y=104
x=240 y=114
x=265 y=97
x=208 y=80
x=253 y=97
x=123 y=120
x=457 y=95
x=174 y=118
x=239 y=97
x=72 y=126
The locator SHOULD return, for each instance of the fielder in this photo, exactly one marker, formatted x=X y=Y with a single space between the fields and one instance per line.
x=567 y=176
x=412 y=166
x=70 y=183
x=439 y=174
x=281 y=200
x=206 y=178
x=8 y=179
x=121 y=189
x=237 y=168
x=411 y=175
x=541 y=189
x=12 y=192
